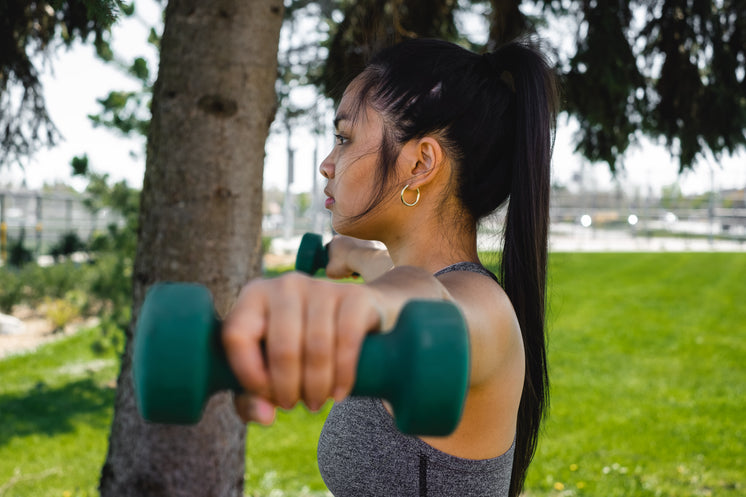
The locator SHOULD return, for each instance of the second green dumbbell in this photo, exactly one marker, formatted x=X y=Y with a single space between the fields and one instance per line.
x=312 y=254
x=421 y=367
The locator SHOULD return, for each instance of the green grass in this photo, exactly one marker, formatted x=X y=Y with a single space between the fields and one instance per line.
x=647 y=363
x=55 y=412
x=646 y=356
x=283 y=456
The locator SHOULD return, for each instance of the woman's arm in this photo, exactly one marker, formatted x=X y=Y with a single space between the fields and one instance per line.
x=295 y=338
x=348 y=256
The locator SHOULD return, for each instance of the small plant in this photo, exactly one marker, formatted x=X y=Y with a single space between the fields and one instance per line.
x=61 y=312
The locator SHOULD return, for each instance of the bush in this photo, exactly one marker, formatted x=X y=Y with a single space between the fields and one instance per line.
x=111 y=282
x=11 y=290
x=61 y=312
x=68 y=244
x=18 y=254
x=53 y=281
x=33 y=284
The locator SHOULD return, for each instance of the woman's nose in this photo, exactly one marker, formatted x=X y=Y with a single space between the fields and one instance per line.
x=327 y=167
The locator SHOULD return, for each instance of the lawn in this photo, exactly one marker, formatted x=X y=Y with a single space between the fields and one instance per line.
x=648 y=376
x=648 y=389
x=55 y=413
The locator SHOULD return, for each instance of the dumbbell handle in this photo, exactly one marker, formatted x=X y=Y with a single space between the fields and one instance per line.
x=373 y=378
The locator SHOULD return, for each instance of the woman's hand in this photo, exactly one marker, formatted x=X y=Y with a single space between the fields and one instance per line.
x=349 y=256
x=295 y=338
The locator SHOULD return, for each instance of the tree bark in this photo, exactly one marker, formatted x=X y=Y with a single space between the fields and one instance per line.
x=200 y=221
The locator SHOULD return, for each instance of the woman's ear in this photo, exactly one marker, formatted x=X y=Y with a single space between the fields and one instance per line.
x=423 y=160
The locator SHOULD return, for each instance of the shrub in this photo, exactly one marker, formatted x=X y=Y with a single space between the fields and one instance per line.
x=18 y=254
x=61 y=312
x=68 y=244
x=11 y=290
x=52 y=281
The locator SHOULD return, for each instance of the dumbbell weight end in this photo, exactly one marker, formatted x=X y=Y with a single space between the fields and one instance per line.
x=312 y=254
x=426 y=390
x=192 y=334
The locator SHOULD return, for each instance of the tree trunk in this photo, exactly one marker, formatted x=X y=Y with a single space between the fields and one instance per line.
x=200 y=221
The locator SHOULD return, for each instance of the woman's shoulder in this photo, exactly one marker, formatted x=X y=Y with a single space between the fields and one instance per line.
x=476 y=288
x=487 y=308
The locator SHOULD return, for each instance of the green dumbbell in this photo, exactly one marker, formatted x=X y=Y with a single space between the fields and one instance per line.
x=312 y=254
x=421 y=367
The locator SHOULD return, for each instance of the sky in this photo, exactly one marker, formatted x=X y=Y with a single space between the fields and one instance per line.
x=74 y=79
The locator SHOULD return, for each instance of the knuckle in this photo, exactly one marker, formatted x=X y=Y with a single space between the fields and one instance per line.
x=347 y=338
x=283 y=357
x=291 y=280
x=316 y=349
x=355 y=296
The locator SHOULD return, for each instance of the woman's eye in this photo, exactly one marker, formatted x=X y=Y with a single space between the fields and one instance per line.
x=339 y=139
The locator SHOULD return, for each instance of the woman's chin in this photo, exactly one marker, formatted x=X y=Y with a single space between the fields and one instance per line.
x=344 y=225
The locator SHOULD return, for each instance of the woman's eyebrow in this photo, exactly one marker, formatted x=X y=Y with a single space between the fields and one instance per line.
x=339 y=118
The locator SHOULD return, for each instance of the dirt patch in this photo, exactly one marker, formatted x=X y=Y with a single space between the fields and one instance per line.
x=37 y=331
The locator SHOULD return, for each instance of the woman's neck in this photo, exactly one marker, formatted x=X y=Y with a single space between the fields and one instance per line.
x=433 y=246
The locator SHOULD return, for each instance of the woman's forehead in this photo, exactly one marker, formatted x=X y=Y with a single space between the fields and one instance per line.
x=352 y=106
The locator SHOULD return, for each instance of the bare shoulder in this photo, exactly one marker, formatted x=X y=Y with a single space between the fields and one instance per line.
x=478 y=293
x=493 y=327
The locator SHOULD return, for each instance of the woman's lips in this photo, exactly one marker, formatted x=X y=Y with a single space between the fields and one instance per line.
x=330 y=199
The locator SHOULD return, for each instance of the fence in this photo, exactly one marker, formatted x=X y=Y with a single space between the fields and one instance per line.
x=588 y=221
x=41 y=218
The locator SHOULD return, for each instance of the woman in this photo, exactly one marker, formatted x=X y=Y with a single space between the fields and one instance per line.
x=430 y=139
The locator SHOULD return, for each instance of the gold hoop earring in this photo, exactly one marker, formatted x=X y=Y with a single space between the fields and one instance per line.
x=407 y=203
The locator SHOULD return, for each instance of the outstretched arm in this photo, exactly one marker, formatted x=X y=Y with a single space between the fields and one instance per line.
x=296 y=338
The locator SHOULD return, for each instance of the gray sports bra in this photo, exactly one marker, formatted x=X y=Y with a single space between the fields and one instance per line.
x=361 y=453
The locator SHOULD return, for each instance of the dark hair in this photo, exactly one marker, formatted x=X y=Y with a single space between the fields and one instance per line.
x=494 y=115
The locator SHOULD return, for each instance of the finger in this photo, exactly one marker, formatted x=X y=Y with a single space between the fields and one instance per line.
x=284 y=339
x=318 y=356
x=355 y=318
x=242 y=335
x=252 y=408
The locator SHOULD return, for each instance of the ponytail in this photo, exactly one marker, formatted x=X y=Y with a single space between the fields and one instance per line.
x=524 y=258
